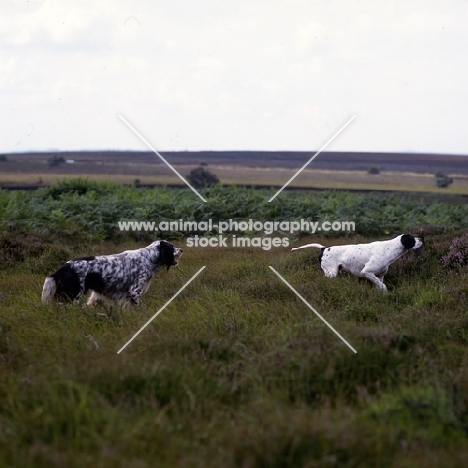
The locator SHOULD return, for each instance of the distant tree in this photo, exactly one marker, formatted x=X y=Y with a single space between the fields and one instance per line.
x=373 y=170
x=442 y=180
x=3 y=157
x=200 y=177
x=55 y=160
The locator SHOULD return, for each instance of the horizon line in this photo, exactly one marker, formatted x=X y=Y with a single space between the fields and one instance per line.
x=230 y=151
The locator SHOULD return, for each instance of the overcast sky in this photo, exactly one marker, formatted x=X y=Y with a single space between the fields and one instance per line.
x=234 y=74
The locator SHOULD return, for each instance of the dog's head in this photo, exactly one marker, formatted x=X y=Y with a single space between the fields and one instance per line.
x=410 y=242
x=168 y=254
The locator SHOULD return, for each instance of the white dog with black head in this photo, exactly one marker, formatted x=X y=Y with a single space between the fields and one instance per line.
x=369 y=261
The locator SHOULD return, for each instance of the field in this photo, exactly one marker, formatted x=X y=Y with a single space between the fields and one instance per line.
x=236 y=371
x=398 y=172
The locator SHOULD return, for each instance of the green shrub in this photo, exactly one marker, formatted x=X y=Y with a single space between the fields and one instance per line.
x=55 y=160
x=442 y=180
x=201 y=177
x=94 y=208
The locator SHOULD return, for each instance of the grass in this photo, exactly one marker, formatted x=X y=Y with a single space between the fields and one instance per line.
x=237 y=371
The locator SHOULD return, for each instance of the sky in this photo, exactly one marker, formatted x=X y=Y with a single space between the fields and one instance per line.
x=234 y=75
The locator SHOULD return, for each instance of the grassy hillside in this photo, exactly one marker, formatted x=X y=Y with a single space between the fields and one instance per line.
x=237 y=371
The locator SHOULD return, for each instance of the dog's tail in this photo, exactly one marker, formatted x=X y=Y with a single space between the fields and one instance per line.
x=317 y=246
x=49 y=289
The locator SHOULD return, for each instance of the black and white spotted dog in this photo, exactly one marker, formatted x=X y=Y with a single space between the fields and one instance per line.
x=122 y=277
x=369 y=261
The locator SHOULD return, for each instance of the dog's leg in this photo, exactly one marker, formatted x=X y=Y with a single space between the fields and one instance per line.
x=136 y=290
x=134 y=295
x=94 y=299
x=135 y=298
x=331 y=273
x=382 y=274
x=330 y=268
x=375 y=280
x=77 y=298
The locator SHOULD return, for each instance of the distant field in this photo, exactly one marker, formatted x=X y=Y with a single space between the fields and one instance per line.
x=238 y=175
x=340 y=179
x=335 y=171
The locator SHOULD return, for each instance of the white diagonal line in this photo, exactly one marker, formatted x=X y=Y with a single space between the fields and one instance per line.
x=161 y=309
x=312 y=309
x=312 y=158
x=157 y=154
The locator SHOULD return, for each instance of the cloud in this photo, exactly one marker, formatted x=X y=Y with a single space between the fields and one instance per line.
x=234 y=74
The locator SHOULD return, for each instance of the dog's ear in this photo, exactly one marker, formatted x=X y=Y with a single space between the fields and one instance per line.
x=408 y=241
x=166 y=254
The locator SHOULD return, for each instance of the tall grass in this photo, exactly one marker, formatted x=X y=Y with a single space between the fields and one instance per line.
x=236 y=371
